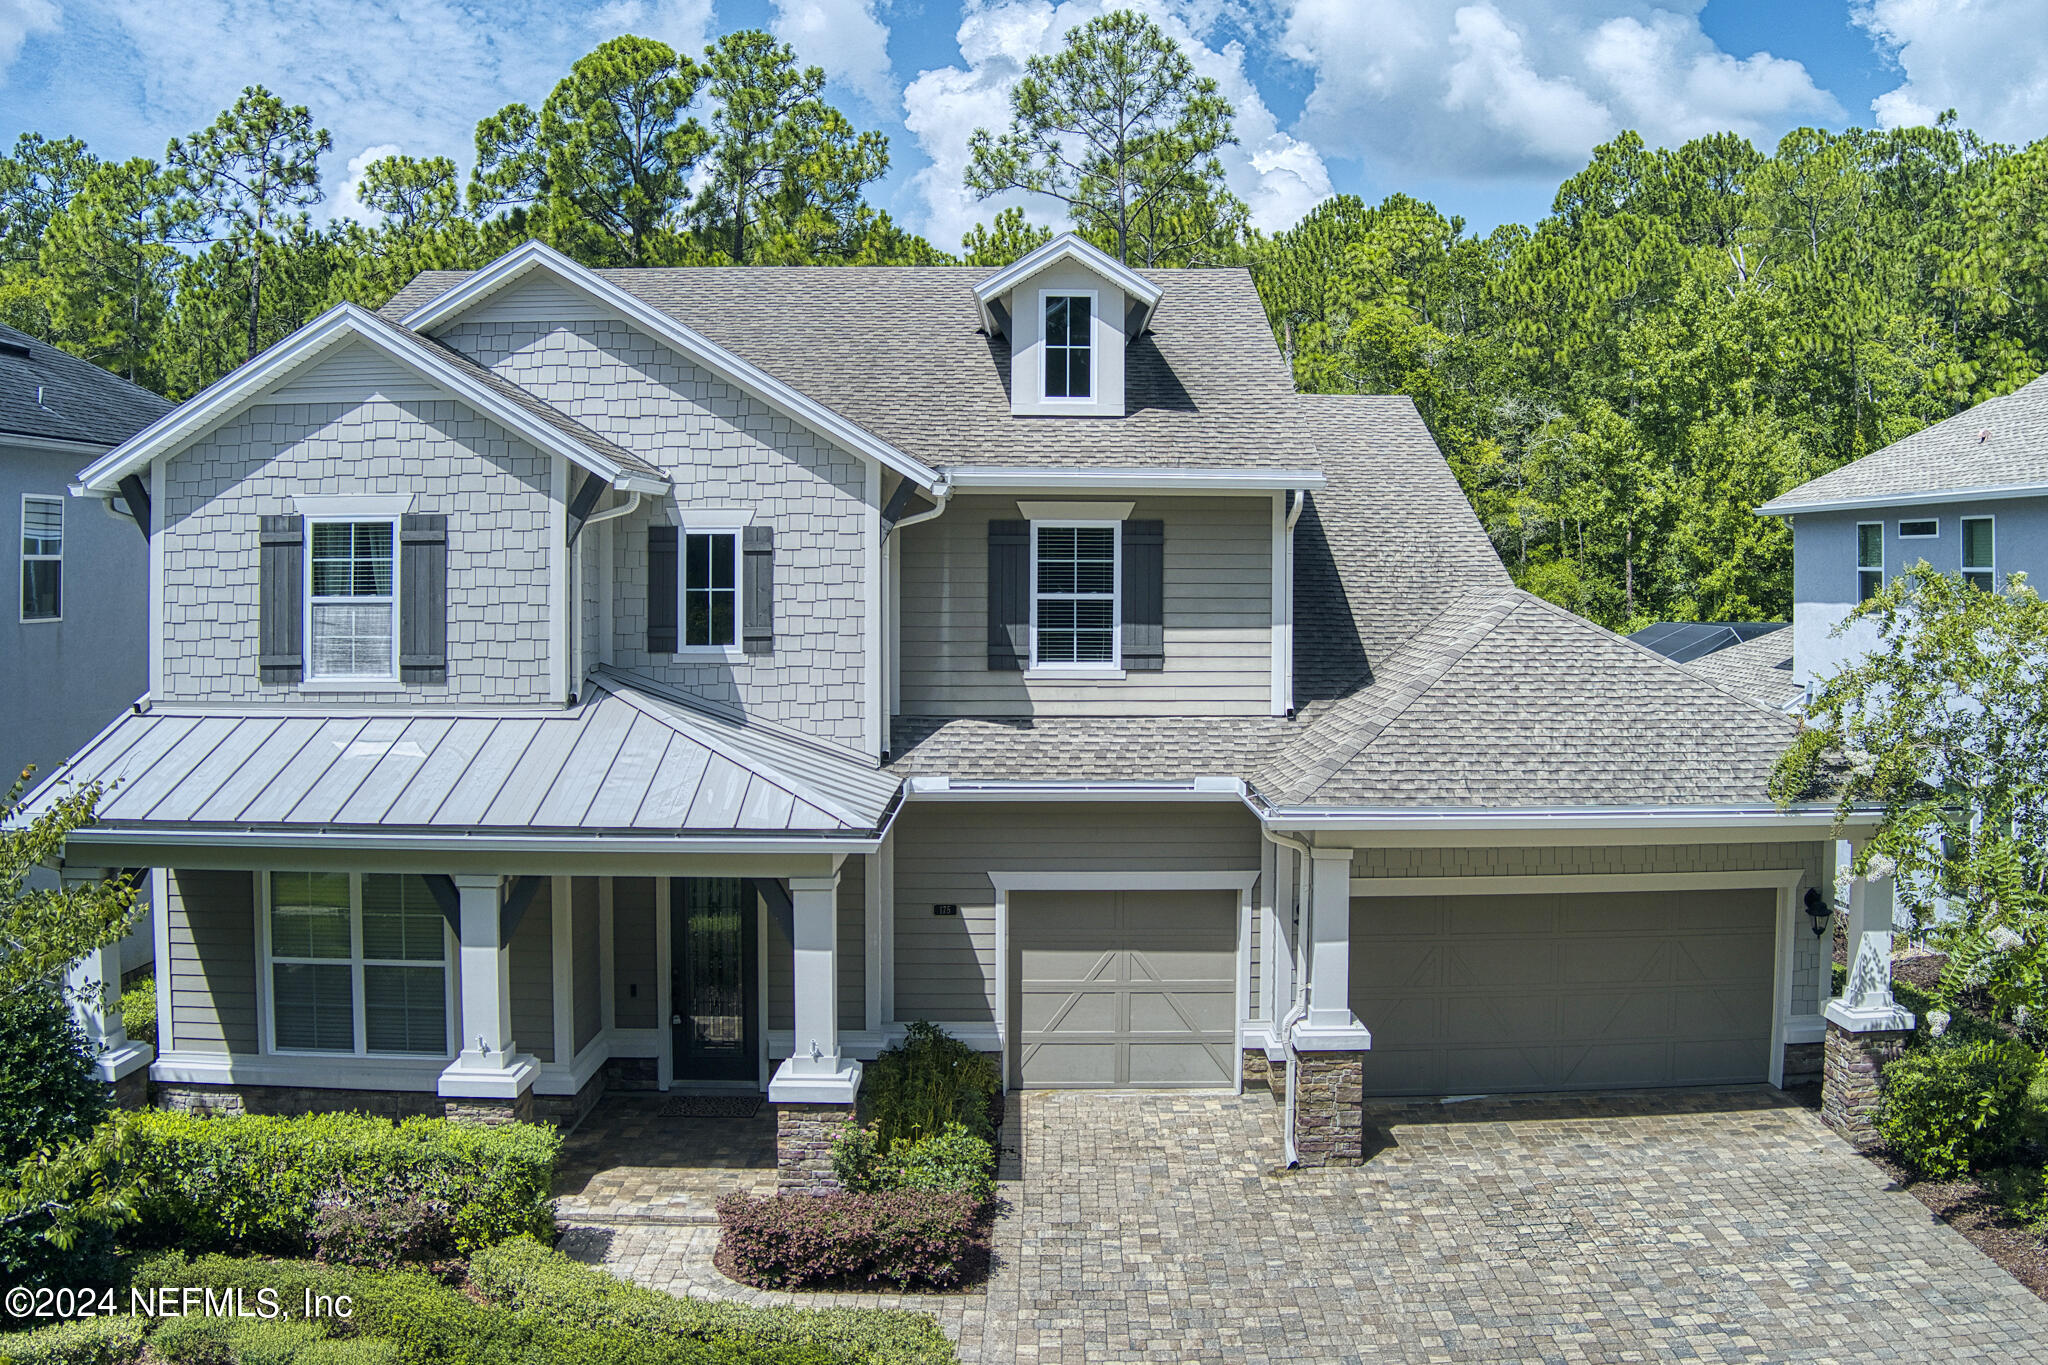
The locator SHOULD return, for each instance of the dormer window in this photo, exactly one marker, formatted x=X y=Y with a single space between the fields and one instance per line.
x=1069 y=352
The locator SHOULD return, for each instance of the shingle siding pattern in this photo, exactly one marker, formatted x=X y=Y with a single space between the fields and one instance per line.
x=1956 y=453
x=492 y=487
x=721 y=448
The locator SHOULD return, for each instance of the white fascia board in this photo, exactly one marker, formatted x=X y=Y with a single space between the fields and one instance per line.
x=1987 y=493
x=1026 y=479
x=23 y=441
x=731 y=368
x=929 y=788
x=1591 y=819
x=457 y=842
x=1065 y=247
x=342 y=322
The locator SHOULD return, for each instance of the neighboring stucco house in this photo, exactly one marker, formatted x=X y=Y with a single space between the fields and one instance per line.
x=1969 y=495
x=682 y=678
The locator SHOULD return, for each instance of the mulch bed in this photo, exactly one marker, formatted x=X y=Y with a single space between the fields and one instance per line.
x=1972 y=1211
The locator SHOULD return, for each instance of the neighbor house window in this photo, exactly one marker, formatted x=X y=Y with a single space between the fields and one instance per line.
x=358 y=964
x=42 y=559
x=1919 y=530
x=710 y=589
x=1069 y=369
x=1979 y=559
x=1869 y=559
x=1074 y=575
x=351 y=599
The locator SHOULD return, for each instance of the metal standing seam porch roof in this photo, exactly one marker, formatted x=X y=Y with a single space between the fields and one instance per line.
x=620 y=762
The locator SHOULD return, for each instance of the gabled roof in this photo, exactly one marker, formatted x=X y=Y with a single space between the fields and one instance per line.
x=620 y=763
x=901 y=352
x=1685 y=642
x=1997 y=449
x=1759 y=668
x=505 y=402
x=1507 y=701
x=1068 y=247
x=443 y=306
x=51 y=395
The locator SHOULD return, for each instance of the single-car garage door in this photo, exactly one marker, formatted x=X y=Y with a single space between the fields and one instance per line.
x=1484 y=994
x=1124 y=988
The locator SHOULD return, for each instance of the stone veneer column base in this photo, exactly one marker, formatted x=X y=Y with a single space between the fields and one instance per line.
x=1804 y=1063
x=1263 y=1074
x=1329 y=1112
x=478 y=1109
x=131 y=1091
x=804 y=1134
x=1851 y=1083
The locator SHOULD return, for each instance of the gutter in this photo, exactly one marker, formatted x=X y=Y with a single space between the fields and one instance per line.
x=1395 y=819
x=934 y=788
x=419 y=842
x=1872 y=501
x=1006 y=478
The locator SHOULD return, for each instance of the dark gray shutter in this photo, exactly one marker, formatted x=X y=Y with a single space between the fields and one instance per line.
x=280 y=653
x=661 y=590
x=423 y=610
x=1009 y=595
x=1144 y=596
x=757 y=589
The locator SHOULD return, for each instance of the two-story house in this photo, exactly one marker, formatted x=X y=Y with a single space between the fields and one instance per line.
x=1968 y=495
x=682 y=678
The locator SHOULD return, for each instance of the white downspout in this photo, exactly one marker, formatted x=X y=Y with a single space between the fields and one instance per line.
x=1299 y=1010
x=941 y=495
x=625 y=508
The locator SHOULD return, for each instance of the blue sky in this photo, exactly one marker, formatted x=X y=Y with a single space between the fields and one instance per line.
x=1479 y=105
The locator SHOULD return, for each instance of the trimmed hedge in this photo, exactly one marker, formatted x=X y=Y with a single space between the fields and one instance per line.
x=86 y=1341
x=900 y=1238
x=1953 y=1108
x=526 y=1275
x=953 y=1161
x=257 y=1183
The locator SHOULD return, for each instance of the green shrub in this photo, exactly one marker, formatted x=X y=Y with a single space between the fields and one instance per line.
x=2023 y=1190
x=1952 y=1108
x=529 y=1276
x=138 y=1010
x=234 y=1341
x=86 y=1341
x=50 y=1096
x=953 y=1161
x=930 y=1080
x=255 y=1183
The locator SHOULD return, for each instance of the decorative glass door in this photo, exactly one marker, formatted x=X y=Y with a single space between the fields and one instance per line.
x=714 y=979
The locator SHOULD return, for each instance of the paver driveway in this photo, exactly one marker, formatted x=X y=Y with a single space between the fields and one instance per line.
x=1690 y=1225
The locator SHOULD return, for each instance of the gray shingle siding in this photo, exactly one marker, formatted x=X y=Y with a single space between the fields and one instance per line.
x=493 y=488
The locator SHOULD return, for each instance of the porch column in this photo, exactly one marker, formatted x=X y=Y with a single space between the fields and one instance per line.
x=93 y=986
x=1329 y=1127
x=489 y=1080
x=1865 y=1026
x=814 y=1089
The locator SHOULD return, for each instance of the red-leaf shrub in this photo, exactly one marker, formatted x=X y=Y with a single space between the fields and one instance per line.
x=908 y=1238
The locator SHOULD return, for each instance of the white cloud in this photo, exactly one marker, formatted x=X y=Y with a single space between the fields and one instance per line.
x=847 y=38
x=1279 y=175
x=1502 y=87
x=344 y=201
x=19 y=19
x=1986 y=59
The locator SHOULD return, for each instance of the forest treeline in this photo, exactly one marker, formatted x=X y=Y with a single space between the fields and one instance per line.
x=1689 y=332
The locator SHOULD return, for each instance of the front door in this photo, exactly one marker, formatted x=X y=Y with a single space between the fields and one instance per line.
x=714 y=979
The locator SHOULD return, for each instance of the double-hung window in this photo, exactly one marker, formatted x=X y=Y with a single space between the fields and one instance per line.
x=1869 y=559
x=1074 y=599
x=710 y=589
x=42 y=558
x=358 y=965
x=351 y=602
x=1069 y=349
x=1980 y=560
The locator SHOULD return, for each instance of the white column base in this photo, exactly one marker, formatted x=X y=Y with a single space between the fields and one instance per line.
x=1869 y=1018
x=490 y=1082
x=839 y=1085
x=117 y=1063
x=1348 y=1036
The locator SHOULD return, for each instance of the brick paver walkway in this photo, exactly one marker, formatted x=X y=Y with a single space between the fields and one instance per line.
x=626 y=1163
x=1698 y=1226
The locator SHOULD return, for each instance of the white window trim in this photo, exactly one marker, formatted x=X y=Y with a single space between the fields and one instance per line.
x=352 y=507
x=266 y=980
x=711 y=521
x=313 y=682
x=1935 y=534
x=24 y=559
x=1963 y=550
x=1094 y=348
x=1098 y=670
x=1861 y=567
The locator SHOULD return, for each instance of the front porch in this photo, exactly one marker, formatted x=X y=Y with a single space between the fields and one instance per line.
x=645 y=1158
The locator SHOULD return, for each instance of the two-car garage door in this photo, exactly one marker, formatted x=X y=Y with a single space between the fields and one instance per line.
x=1484 y=994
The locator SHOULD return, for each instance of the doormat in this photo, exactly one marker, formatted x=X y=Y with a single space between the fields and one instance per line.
x=711 y=1107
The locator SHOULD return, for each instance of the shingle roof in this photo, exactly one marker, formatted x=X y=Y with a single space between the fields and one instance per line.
x=79 y=400
x=1506 y=700
x=899 y=351
x=2001 y=444
x=620 y=762
x=1084 y=748
x=1760 y=669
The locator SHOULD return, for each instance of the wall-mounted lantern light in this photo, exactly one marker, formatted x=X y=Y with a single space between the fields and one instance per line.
x=1817 y=907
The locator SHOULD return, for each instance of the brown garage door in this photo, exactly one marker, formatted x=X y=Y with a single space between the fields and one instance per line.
x=1124 y=988
x=1484 y=994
